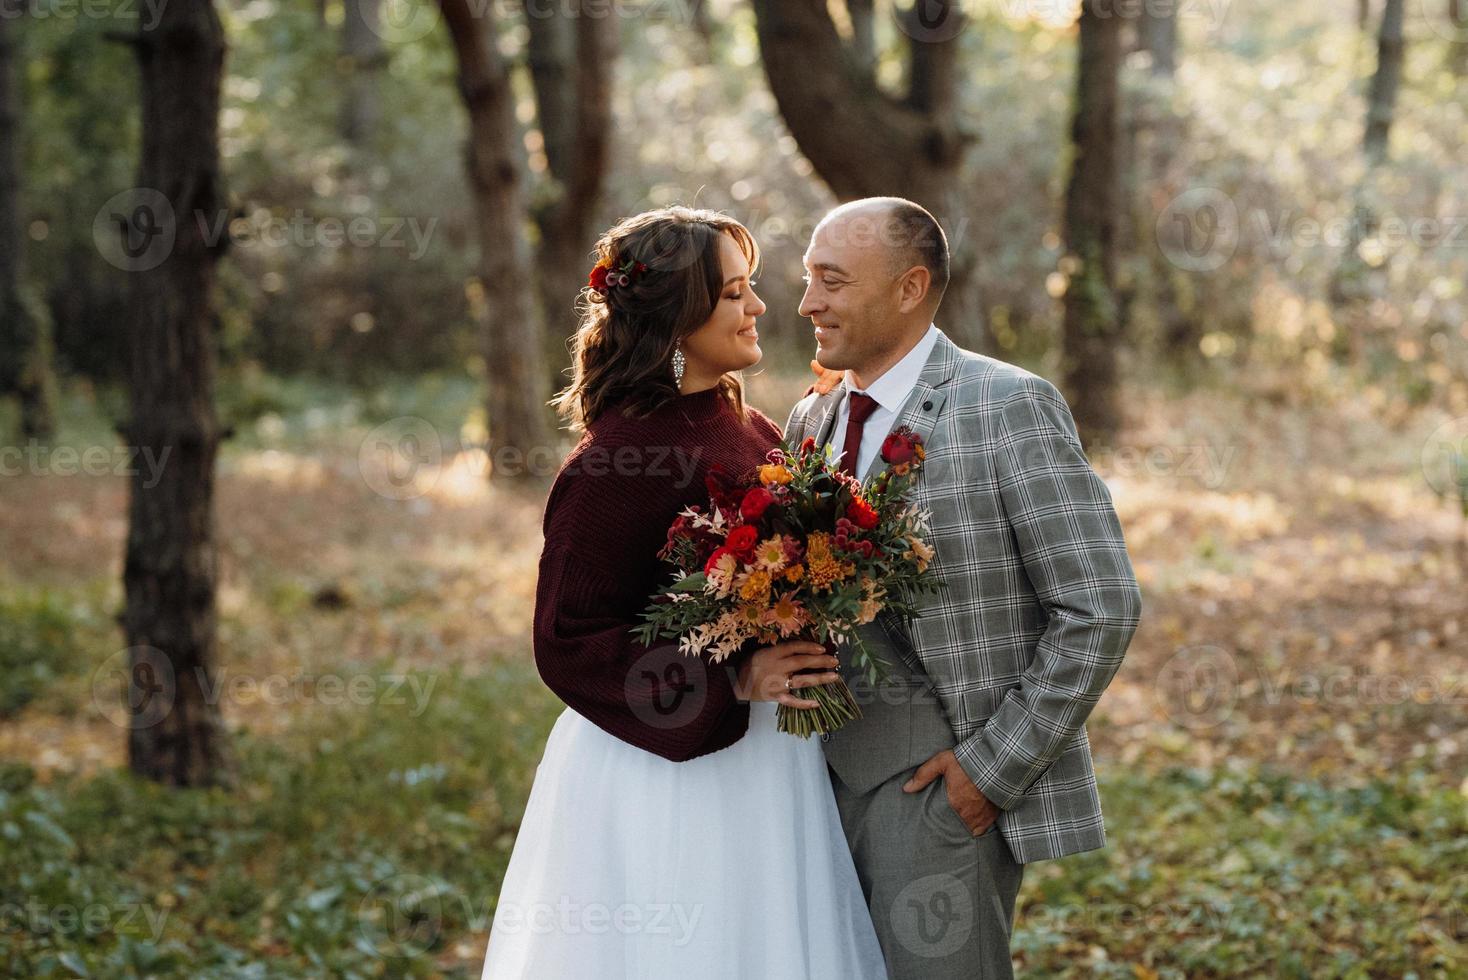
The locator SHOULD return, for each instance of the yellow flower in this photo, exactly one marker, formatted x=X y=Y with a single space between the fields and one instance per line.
x=818 y=545
x=770 y=555
x=750 y=614
x=774 y=473
x=756 y=587
x=922 y=453
x=794 y=573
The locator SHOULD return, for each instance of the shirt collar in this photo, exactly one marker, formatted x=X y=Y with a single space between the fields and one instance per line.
x=896 y=383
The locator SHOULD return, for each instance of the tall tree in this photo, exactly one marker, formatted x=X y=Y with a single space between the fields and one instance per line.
x=1382 y=99
x=571 y=51
x=518 y=389
x=363 y=58
x=1355 y=278
x=25 y=327
x=1154 y=139
x=1091 y=330
x=1458 y=46
x=171 y=566
x=866 y=142
x=1157 y=31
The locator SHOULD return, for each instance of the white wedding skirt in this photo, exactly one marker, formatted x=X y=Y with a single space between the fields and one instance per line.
x=731 y=866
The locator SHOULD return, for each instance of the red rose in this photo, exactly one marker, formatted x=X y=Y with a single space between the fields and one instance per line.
x=708 y=566
x=742 y=540
x=808 y=446
x=755 y=503
x=598 y=278
x=900 y=447
x=861 y=514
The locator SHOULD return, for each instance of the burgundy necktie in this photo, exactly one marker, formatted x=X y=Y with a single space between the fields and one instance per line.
x=860 y=409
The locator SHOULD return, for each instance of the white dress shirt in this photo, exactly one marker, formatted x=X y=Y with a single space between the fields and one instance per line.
x=891 y=391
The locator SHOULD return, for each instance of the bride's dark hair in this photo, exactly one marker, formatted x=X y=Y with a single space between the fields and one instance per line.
x=624 y=346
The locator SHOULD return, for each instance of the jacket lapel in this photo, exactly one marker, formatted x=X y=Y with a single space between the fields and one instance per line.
x=920 y=412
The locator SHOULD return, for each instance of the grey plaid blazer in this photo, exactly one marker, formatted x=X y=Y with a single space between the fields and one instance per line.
x=1040 y=602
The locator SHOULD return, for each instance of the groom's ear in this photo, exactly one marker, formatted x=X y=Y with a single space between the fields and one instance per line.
x=913 y=288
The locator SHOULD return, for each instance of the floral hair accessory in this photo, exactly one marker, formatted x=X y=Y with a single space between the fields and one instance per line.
x=604 y=276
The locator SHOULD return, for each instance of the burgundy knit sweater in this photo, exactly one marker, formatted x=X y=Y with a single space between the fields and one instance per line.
x=606 y=518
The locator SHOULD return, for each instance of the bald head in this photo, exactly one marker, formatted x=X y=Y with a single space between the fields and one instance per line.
x=906 y=231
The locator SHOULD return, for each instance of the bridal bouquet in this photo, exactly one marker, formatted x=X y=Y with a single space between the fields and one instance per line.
x=797 y=549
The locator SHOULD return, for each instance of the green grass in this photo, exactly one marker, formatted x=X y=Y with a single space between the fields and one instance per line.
x=1256 y=873
x=360 y=844
x=369 y=842
x=44 y=636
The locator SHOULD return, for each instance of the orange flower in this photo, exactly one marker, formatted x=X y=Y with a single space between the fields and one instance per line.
x=774 y=474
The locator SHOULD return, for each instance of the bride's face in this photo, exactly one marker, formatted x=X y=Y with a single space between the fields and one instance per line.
x=728 y=340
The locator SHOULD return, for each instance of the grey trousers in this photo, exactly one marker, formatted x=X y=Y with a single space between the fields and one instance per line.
x=941 y=899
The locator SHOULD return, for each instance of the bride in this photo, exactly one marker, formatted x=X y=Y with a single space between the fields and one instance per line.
x=672 y=831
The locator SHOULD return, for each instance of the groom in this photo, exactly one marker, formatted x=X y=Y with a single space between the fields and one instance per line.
x=972 y=758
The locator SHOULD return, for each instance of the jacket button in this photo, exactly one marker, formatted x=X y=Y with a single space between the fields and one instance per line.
x=927 y=406
x=825 y=736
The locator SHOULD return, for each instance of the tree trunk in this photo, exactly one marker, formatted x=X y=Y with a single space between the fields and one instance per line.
x=1158 y=35
x=570 y=57
x=911 y=147
x=363 y=58
x=863 y=34
x=1354 y=278
x=1091 y=333
x=517 y=396
x=171 y=568
x=25 y=334
x=1159 y=137
x=1382 y=100
x=1458 y=46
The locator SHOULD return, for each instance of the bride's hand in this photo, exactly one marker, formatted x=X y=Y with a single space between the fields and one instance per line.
x=772 y=673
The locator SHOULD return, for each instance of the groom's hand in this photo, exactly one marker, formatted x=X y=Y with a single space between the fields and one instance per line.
x=971 y=805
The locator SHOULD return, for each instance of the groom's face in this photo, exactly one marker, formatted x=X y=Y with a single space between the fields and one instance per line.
x=851 y=295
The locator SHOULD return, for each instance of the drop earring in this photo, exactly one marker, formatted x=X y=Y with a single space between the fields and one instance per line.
x=678 y=362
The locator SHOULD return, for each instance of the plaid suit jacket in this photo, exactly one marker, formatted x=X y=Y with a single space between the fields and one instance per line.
x=1041 y=600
